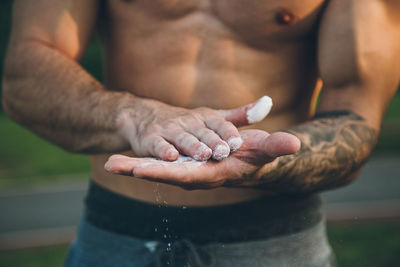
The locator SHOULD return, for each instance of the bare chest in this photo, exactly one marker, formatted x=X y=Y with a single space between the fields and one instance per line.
x=216 y=53
x=254 y=20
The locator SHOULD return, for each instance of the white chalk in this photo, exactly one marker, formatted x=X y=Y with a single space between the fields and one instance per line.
x=184 y=160
x=260 y=110
x=181 y=160
x=204 y=150
x=235 y=143
x=221 y=152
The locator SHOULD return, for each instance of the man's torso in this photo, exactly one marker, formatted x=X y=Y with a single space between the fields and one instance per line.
x=220 y=54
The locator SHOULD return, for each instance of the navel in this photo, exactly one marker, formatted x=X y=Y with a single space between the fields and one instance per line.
x=284 y=17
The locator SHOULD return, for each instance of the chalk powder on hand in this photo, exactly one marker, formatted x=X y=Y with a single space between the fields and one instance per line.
x=235 y=143
x=260 y=110
x=181 y=160
x=255 y=114
x=221 y=152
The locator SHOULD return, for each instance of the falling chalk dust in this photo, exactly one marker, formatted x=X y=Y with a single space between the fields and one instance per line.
x=152 y=245
x=255 y=114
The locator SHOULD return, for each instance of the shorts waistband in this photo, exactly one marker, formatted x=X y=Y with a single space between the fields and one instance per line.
x=246 y=221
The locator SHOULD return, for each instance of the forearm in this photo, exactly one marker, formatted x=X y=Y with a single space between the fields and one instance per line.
x=53 y=96
x=334 y=147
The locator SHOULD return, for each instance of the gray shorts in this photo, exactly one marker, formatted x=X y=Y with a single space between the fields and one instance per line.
x=96 y=247
x=272 y=231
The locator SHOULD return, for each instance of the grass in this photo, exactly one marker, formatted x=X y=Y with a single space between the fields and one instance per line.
x=365 y=244
x=27 y=159
x=52 y=256
x=393 y=111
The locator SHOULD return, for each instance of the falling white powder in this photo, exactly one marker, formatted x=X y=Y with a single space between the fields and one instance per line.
x=260 y=110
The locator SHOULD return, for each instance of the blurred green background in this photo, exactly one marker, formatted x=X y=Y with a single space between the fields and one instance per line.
x=26 y=160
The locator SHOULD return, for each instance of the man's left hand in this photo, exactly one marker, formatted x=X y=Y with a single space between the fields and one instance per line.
x=258 y=149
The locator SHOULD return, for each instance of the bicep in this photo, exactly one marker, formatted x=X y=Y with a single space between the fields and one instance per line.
x=359 y=56
x=65 y=25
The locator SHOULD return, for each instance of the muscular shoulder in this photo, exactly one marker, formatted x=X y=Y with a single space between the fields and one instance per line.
x=359 y=55
x=63 y=24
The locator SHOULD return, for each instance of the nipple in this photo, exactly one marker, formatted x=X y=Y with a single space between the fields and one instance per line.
x=284 y=17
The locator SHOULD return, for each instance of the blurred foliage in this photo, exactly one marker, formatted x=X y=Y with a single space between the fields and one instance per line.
x=5 y=22
x=27 y=159
x=51 y=256
x=366 y=244
x=389 y=139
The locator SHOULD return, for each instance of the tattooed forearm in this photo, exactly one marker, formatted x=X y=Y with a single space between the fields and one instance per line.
x=334 y=146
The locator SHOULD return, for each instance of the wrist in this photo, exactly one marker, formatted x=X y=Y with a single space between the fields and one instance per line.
x=133 y=111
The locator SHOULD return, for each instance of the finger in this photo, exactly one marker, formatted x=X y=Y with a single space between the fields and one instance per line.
x=185 y=171
x=226 y=130
x=219 y=147
x=120 y=164
x=248 y=114
x=186 y=174
x=160 y=148
x=280 y=144
x=188 y=144
x=164 y=171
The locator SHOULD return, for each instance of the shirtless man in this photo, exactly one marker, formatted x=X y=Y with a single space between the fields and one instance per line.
x=176 y=74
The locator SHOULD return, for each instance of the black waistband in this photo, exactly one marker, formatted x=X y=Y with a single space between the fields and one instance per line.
x=251 y=220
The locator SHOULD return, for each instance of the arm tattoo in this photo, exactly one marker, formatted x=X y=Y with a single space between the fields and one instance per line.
x=334 y=146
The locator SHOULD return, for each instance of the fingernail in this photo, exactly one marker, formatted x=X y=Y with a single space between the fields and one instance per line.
x=107 y=166
x=235 y=143
x=221 y=152
x=171 y=154
x=136 y=172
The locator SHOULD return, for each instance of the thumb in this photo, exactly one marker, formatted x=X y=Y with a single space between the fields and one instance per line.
x=248 y=114
x=280 y=144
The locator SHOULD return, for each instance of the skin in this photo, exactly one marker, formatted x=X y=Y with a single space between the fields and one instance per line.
x=179 y=78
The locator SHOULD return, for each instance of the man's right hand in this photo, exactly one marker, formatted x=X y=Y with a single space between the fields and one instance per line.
x=166 y=131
